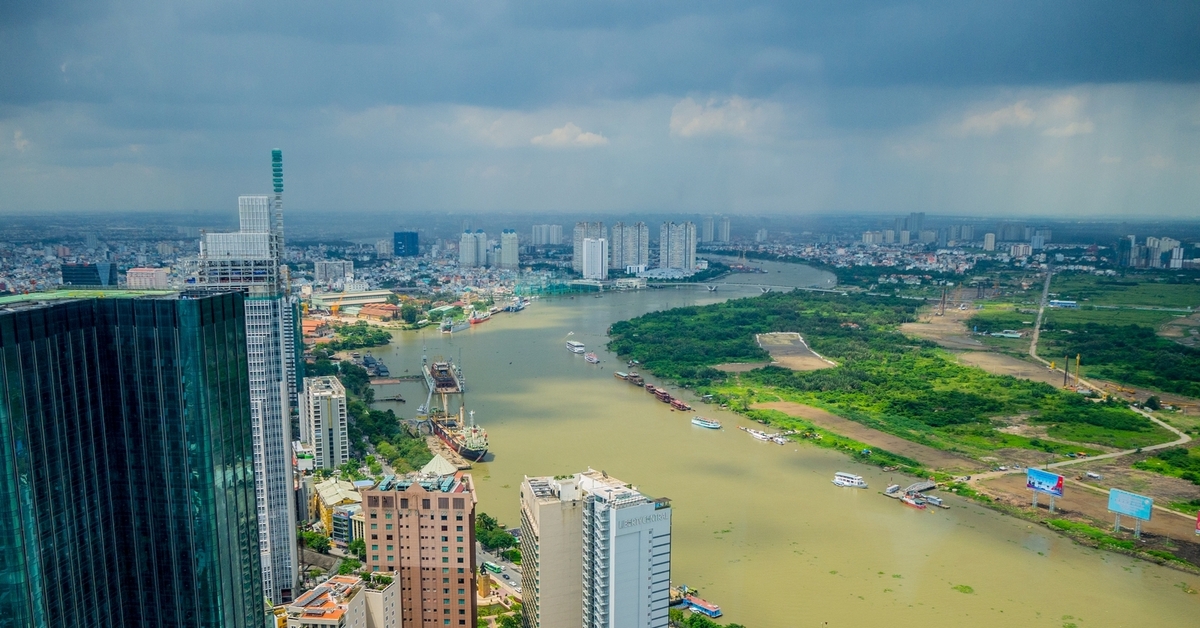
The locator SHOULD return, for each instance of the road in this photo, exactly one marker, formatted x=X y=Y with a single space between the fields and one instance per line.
x=507 y=586
x=1037 y=327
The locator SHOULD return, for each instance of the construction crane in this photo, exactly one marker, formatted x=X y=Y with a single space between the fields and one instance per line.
x=337 y=305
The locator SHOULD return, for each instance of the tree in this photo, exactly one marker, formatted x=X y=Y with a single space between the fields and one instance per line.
x=314 y=541
x=408 y=313
x=349 y=566
x=358 y=547
x=1153 y=403
x=509 y=621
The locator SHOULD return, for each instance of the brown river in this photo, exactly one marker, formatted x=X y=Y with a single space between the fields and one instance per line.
x=759 y=528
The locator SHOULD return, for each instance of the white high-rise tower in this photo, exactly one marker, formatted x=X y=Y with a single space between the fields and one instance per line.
x=249 y=260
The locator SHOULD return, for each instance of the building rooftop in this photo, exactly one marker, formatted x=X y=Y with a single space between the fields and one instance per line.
x=34 y=299
x=457 y=483
x=328 y=601
x=334 y=492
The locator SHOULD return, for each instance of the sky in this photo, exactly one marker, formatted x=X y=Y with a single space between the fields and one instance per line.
x=963 y=107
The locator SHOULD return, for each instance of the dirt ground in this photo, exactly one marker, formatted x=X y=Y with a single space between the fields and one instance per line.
x=947 y=331
x=1080 y=500
x=924 y=454
x=999 y=364
x=1118 y=472
x=790 y=351
x=740 y=367
x=1185 y=331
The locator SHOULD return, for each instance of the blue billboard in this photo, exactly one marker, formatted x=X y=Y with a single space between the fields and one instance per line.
x=1132 y=504
x=1044 y=482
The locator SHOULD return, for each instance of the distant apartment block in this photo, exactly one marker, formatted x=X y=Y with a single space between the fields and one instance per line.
x=1020 y=250
x=595 y=258
x=630 y=245
x=422 y=528
x=323 y=421
x=677 y=246
x=90 y=275
x=329 y=272
x=547 y=235
x=406 y=244
x=989 y=242
x=384 y=249
x=723 y=230
x=146 y=279
x=583 y=231
x=473 y=249
x=510 y=247
x=708 y=231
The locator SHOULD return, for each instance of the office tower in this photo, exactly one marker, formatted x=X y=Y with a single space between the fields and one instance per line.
x=472 y=249
x=249 y=261
x=509 y=249
x=405 y=244
x=323 y=421
x=547 y=234
x=613 y=535
x=722 y=229
x=989 y=242
x=584 y=230
x=329 y=272
x=626 y=555
x=422 y=528
x=127 y=462
x=905 y=237
x=677 y=246
x=706 y=235
x=90 y=275
x=595 y=258
x=552 y=552
x=916 y=222
x=146 y=279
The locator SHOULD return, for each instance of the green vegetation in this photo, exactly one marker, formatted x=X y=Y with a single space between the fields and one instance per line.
x=1177 y=462
x=356 y=336
x=1130 y=354
x=1173 y=291
x=314 y=541
x=1102 y=539
x=1191 y=506
x=378 y=428
x=358 y=547
x=963 y=588
x=885 y=380
x=491 y=533
x=349 y=566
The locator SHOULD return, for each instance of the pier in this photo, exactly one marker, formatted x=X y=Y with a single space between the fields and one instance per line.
x=381 y=381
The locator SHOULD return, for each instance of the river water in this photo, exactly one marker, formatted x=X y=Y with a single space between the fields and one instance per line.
x=758 y=527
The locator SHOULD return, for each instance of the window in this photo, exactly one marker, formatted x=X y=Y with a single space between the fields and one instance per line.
x=424 y=504
x=443 y=503
x=374 y=526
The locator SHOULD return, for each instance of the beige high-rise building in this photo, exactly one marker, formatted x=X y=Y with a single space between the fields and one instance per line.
x=146 y=279
x=323 y=421
x=421 y=527
x=509 y=247
x=552 y=552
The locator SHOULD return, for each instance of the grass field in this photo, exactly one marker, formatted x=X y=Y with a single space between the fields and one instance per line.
x=1129 y=290
x=1121 y=439
x=1105 y=316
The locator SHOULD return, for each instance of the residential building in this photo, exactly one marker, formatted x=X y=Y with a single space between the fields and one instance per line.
x=90 y=275
x=509 y=249
x=677 y=246
x=422 y=528
x=1020 y=250
x=905 y=237
x=707 y=232
x=630 y=245
x=872 y=237
x=384 y=249
x=583 y=231
x=588 y=542
x=406 y=244
x=916 y=222
x=127 y=472
x=328 y=496
x=340 y=602
x=329 y=272
x=323 y=421
x=595 y=256
x=889 y=236
x=552 y=552
x=250 y=261
x=473 y=249
x=547 y=234
x=928 y=236
x=146 y=279
x=722 y=230
x=989 y=242
x=1037 y=242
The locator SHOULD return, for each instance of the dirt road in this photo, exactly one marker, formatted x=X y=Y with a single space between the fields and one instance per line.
x=924 y=454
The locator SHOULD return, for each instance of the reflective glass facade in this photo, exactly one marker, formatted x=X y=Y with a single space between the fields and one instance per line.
x=126 y=464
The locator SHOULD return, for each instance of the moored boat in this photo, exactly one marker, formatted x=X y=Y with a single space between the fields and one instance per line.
x=842 y=478
x=591 y=357
x=478 y=317
x=621 y=375
x=470 y=441
x=575 y=347
x=698 y=605
x=679 y=404
x=635 y=379
x=711 y=424
x=914 y=501
x=663 y=395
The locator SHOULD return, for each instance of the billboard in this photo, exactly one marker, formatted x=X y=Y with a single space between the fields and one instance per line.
x=1044 y=482
x=1131 y=504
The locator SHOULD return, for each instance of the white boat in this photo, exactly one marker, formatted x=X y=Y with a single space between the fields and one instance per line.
x=892 y=489
x=849 y=479
x=711 y=424
x=779 y=440
x=575 y=347
x=759 y=435
x=591 y=357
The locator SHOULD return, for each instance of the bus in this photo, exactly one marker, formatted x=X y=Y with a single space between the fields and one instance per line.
x=492 y=567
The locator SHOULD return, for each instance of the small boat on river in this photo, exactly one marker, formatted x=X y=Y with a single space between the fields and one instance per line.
x=711 y=424
x=591 y=357
x=842 y=478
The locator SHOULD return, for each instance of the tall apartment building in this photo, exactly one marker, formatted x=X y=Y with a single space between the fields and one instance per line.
x=347 y=602
x=595 y=258
x=760 y=236
x=630 y=245
x=594 y=553
x=249 y=261
x=509 y=249
x=323 y=421
x=989 y=242
x=708 y=230
x=329 y=272
x=677 y=246
x=723 y=230
x=916 y=222
x=127 y=466
x=406 y=244
x=583 y=231
x=472 y=249
x=547 y=234
x=146 y=279
x=422 y=528
x=384 y=249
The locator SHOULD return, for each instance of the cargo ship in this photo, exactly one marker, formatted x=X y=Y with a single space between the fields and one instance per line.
x=449 y=326
x=478 y=317
x=466 y=438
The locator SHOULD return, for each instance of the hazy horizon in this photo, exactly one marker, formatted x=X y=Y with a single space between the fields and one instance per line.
x=1075 y=110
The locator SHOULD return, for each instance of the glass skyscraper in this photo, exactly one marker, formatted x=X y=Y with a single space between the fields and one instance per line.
x=126 y=454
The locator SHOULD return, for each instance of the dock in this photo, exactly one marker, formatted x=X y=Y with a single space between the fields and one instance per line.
x=392 y=398
x=438 y=447
x=380 y=381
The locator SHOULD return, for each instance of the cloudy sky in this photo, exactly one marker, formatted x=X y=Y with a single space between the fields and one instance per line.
x=1086 y=108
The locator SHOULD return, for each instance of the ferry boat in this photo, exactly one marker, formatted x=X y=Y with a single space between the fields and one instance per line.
x=892 y=489
x=663 y=395
x=759 y=435
x=651 y=388
x=620 y=375
x=778 y=440
x=679 y=404
x=478 y=317
x=635 y=379
x=575 y=347
x=704 y=607
x=911 y=500
x=468 y=439
x=849 y=479
x=591 y=357
x=711 y=424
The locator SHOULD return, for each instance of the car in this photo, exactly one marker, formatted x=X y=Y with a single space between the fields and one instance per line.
x=517 y=589
x=1095 y=476
x=1004 y=468
x=505 y=576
